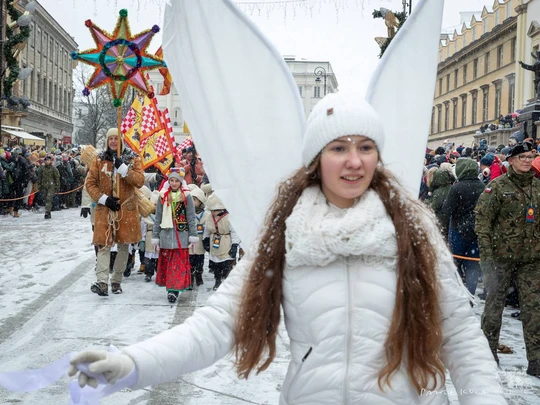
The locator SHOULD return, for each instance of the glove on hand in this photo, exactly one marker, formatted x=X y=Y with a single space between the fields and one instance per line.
x=118 y=161
x=85 y=212
x=155 y=243
x=113 y=366
x=206 y=244
x=112 y=203
x=233 y=250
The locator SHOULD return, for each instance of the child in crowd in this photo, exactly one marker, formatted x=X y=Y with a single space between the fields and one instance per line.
x=196 y=253
x=219 y=239
x=174 y=231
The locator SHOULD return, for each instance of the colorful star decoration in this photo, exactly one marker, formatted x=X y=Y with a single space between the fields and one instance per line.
x=120 y=59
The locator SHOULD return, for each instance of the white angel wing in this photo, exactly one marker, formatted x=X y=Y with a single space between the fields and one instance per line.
x=402 y=88
x=240 y=101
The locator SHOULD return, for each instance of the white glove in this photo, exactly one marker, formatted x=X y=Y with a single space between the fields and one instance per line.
x=155 y=244
x=113 y=366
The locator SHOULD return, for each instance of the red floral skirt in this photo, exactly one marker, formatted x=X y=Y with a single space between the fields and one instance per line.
x=173 y=270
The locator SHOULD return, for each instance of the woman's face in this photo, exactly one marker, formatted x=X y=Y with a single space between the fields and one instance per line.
x=347 y=167
x=174 y=184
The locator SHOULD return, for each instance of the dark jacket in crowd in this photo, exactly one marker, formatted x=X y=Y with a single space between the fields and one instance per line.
x=440 y=187
x=457 y=212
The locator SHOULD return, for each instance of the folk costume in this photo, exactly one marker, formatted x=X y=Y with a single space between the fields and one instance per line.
x=196 y=253
x=116 y=217
x=220 y=240
x=175 y=228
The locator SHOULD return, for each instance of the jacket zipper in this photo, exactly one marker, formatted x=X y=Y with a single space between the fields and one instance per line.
x=297 y=374
x=349 y=338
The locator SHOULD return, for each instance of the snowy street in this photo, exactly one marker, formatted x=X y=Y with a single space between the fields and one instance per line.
x=47 y=310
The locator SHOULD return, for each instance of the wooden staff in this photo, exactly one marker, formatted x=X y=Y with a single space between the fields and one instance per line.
x=118 y=153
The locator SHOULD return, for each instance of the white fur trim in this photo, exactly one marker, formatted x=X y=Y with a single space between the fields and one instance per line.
x=103 y=199
x=123 y=170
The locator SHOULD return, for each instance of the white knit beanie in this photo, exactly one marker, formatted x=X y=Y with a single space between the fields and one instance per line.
x=338 y=115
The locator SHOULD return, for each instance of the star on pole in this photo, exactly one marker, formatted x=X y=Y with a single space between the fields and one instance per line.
x=120 y=59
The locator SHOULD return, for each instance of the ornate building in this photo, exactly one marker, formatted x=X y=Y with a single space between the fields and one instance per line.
x=50 y=86
x=476 y=78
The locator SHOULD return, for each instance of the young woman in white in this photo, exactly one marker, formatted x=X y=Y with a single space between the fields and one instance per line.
x=373 y=305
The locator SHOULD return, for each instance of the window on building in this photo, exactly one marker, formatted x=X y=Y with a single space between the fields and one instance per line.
x=65 y=102
x=511 y=98
x=439 y=112
x=497 y=17
x=464 y=74
x=300 y=91
x=159 y=87
x=51 y=49
x=485 y=105
x=69 y=103
x=464 y=111
x=475 y=69
x=486 y=63
x=497 y=101
x=60 y=101
x=32 y=82
x=45 y=92
x=316 y=91
x=432 y=120
x=500 y=56
x=474 y=33
x=509 y=9
x=455 y=79
x=45 y=45
x=485 y=25
x=513 y=49
x=464 y=39
x=31 y=39
x=51 y=95
x=446 y=115
x=474 y=112
x=448 y=82
x=454 y=113
x=55 y=98
x=440 y=86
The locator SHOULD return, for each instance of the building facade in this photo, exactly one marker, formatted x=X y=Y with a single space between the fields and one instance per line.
x=528 y=42
x=476 y=76
x=50 y=85
x=314 y=80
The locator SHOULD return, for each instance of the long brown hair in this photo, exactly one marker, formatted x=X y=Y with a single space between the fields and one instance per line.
x=415 y=331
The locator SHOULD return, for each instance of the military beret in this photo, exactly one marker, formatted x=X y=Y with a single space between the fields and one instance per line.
x=520 y=148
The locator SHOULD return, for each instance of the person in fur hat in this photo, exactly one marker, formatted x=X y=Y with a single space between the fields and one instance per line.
x=196 y=253
x=374 y=308
x=219 y=239
x=174 y=232
x=111 y=182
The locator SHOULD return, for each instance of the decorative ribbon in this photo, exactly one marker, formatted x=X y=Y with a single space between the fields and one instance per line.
x=34 y=380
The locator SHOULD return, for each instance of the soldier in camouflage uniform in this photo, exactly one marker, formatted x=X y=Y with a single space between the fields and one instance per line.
x=508 y=229
x=48 y=183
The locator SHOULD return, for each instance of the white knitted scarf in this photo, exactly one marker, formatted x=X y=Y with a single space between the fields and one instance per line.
x=318 y=233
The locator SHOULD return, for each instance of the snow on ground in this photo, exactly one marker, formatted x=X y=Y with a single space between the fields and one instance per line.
x=47 y=310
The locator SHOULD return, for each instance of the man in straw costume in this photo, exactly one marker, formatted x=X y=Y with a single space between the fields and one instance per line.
x=112 y=182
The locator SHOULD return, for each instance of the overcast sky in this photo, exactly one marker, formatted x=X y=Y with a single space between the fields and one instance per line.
x=340 y=31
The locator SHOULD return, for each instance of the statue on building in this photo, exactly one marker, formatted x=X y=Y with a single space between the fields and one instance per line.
x=535 y=67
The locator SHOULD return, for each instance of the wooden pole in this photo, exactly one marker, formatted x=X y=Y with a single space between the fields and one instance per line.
x=118 y=152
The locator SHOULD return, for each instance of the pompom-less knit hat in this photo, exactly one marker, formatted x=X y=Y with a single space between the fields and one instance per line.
x=338 y=115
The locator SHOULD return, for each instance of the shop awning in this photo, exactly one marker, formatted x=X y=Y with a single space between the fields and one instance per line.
x=28 y=138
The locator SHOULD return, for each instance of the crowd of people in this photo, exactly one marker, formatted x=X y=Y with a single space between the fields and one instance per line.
x=486 y=199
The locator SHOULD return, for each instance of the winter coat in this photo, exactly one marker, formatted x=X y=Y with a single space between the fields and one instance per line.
x=169 y=237
x=504 y=234
x=440 y=187
x=19 y=173
x=338 y=310
x=49 y=178
x=199 y=172
x=99 y=182
x=226 y=233
x=5 y=181
x=149 y=223
x=201 y=219
x=458 y=209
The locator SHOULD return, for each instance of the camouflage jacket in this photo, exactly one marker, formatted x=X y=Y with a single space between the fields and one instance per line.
x=505 y=231
x=49 y=178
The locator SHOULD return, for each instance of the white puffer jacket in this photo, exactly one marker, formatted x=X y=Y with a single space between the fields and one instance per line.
x=339 y=290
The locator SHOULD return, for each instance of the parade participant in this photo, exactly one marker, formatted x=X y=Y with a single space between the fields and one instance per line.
x=48 y=183
x=508 y=229
x=196 y=253
x=373 y=305
x=111 y=181
x=19 y=176
x=193 y=167
x=174 y=232
x=219 y=239
x=7 y=167
x=151 y=252
x=457 y=220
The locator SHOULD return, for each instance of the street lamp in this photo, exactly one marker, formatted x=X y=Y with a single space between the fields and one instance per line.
x=320 y=71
